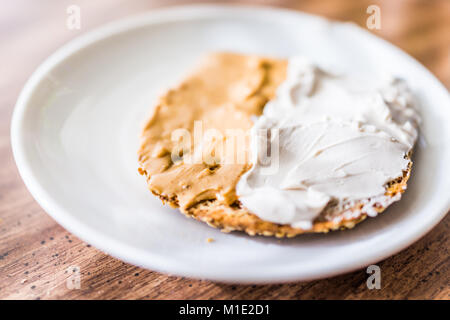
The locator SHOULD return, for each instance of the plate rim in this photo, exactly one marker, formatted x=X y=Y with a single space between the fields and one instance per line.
x=129 y=253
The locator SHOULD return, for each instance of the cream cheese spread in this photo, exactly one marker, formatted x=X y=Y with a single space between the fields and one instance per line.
x=326 y=137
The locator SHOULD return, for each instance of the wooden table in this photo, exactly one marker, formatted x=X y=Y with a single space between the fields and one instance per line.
x=35 y=252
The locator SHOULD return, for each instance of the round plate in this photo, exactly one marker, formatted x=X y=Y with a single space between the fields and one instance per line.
x=75 y=136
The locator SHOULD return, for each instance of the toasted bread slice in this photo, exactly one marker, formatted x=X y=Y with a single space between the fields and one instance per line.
x=227 y=90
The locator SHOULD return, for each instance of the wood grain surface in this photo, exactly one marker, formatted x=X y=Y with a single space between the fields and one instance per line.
x=37 y=256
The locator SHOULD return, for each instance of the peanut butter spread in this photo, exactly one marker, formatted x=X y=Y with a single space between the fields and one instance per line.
x=222 y=95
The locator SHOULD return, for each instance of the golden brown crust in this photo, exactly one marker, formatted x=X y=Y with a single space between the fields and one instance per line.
x=236 y=218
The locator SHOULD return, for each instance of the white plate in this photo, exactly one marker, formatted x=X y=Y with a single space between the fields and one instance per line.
x=75 y=136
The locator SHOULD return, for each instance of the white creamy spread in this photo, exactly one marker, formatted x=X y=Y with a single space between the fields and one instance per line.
x=328 y=137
